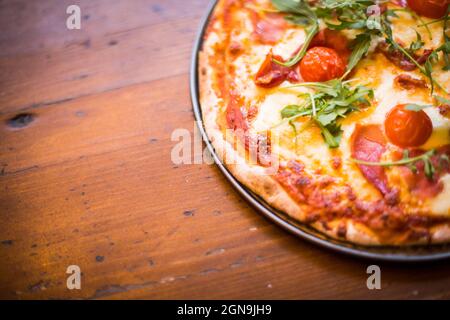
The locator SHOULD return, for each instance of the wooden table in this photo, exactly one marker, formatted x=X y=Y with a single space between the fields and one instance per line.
x=86 y=178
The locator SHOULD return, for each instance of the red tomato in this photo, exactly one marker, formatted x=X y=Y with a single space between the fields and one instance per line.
x=429 y=8
x=407 y=128
x=321 y=64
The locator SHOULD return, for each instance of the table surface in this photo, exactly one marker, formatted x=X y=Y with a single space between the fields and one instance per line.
x=86 y=177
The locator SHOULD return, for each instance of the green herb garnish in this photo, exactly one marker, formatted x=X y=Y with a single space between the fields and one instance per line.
x=360 y=48
x=411 y=163
x=356 y=15
x=417 y=107
x=331 y=101
x=442 y=99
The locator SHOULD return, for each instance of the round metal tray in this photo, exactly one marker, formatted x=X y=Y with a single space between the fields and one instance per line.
x=386 y=253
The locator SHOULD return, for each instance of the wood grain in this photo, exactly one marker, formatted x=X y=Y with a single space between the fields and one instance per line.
x=86 y=118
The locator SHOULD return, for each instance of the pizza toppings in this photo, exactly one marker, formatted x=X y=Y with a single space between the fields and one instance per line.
x=368 y=146
x=234 y=116
x=269 y=28
x=411 y=162
x=444 y=110
x=396 y=57
x=421 y=169
x=423 y=174
x=407 y=128
x=321 y=64
x=373 y=22
x=429 y=8
x=406 y=62
x=444 y=106
x=407 y=82
x=235 y=47
x=272 y=74
x=330 y=102
x=328 y=50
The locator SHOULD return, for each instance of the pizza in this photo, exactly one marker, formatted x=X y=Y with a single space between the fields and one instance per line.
x=336 y=113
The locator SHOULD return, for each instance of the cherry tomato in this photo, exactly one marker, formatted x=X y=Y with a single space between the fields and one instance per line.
x=407 y=128
x=321 y=64
x=429 y=8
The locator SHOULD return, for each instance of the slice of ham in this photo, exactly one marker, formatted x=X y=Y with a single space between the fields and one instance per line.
x=369 y=144
x=407 y=82
x=271 y=74
x=268 y=28
x=234 y=116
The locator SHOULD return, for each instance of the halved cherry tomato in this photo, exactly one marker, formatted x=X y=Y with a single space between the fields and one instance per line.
x=429 y=8
x=407 y=128
x=321 y=64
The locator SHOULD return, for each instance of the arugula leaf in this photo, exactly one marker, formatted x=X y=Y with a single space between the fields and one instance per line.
x=442 y=100
x=331 y=101
x=428 y=69
x=299 y=20
x=331 y=134
x=297 y=11
x=351 y=14
x=297 y=7
x=360 y=47
x=344 y=25
x=417 y=44
x=416 y=107
x=294 y=128
x=445 y=48
x=290 y=111
x=327 y=118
